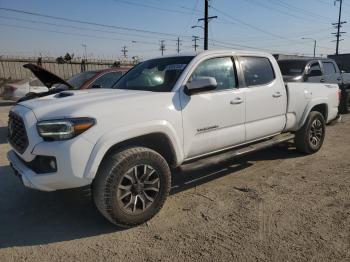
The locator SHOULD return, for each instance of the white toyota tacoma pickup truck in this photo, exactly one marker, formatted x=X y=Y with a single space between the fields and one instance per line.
x=163 y=113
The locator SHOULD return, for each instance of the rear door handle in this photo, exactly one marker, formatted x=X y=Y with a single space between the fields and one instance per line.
x=277 y=94
x=322 y=80
x=236 y=101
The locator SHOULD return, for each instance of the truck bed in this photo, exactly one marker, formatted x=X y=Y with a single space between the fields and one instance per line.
x=303 y=96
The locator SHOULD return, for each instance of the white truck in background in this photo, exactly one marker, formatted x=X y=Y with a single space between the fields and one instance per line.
x=163 y=113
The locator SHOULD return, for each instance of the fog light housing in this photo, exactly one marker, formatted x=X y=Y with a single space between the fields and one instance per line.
x=52 y=164
x=43 y=164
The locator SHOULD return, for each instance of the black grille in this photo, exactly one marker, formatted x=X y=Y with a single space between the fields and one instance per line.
x=17 y=134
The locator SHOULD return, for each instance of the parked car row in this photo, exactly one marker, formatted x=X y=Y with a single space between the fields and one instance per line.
x=317 y=70
x=125 y=141
x=17 y=90
x=46 y=83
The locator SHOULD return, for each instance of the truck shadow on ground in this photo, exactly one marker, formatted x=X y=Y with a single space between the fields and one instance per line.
x=204 y=171
x=30 y=217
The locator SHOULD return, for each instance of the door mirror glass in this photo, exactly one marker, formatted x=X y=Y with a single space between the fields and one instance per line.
x=200 y=84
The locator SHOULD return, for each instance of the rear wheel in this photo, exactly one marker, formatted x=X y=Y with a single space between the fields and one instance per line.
x=310 y=137
x=132 y=186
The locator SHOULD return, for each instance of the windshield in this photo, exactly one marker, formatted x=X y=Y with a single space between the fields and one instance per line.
x=292 y=68
x=157 y=75
x=78 y=80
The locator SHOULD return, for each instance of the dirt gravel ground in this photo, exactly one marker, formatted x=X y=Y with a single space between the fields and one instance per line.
x=274 y=205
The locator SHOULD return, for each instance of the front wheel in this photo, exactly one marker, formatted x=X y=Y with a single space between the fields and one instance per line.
x=132 y=186
x=310 y=137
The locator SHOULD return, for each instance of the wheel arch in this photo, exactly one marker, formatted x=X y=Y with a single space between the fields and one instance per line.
x=318 y=106
x=158 y=142
x=162 y=142
x=321 y=108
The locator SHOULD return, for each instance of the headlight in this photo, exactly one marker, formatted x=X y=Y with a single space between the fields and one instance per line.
x=63 y=129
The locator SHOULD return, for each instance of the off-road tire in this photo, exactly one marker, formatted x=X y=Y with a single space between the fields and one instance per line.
x=109 y=175
x=302 y=136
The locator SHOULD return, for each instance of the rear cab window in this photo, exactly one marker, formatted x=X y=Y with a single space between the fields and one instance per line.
x=257 y=70
x=292 y=67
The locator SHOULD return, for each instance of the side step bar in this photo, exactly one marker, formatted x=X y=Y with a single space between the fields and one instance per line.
x=246 y=149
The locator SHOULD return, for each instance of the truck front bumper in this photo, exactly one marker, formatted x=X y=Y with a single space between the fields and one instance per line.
x=46 y=181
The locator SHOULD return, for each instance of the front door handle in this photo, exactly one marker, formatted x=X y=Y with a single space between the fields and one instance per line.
x=277 y=94
x=339 y=79
x=236 y=101
x=322 y=80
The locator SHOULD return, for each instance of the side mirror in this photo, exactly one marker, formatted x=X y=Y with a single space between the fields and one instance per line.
x=96 y=86
x=201 y=84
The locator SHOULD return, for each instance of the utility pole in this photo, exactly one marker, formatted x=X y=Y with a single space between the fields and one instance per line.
x=315 y=43
x=162 y=46
x=125 y=51
x=84 y=45
x=195 y=45
x=178 y=43
x=206 y=22
x=338 y=26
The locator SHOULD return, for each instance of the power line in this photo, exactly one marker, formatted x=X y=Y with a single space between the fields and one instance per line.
x=152 y=7
x=78 y=27
x=192 y=14
x=272 y=8
x=88 y=23
x=298 y=9
x=67 y=33
x=252 y=26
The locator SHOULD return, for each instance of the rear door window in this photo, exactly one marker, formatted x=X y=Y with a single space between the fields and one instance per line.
x=329 y=68
x=257 y=70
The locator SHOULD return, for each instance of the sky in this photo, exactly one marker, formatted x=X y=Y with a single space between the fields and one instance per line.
x=53 y=28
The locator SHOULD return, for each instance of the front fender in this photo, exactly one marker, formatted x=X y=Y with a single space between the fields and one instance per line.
x=121 y=134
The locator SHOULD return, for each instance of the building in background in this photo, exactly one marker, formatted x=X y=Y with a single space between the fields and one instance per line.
x=343 y=61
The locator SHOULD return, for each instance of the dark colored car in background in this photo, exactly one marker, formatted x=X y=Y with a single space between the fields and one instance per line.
x=317 y=70
x=105 y=78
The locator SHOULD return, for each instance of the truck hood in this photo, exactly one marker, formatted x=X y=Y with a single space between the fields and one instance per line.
x=46 y=77
x=90 y=101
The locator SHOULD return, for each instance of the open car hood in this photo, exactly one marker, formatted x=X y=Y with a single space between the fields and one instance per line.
x=46 y=77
